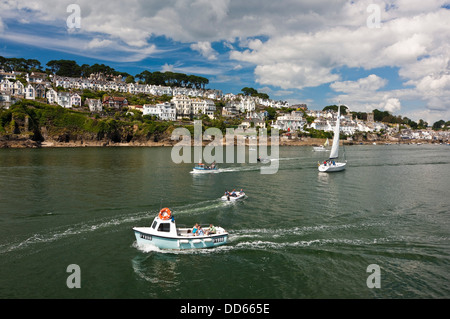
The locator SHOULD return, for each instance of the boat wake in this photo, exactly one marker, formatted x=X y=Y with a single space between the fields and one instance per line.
x=106 y=224
x=73 y=230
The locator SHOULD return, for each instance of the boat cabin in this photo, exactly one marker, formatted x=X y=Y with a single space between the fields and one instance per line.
x=165 y=227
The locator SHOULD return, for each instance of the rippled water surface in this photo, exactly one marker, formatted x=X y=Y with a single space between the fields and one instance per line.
x=299 y=234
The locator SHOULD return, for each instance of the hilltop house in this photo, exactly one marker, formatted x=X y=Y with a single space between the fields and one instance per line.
x=63 y=99
x=183 y=106
x=39 y=90
x=51 y=96
x=17 y=88
x=95 y=105
x=115 y=102
x=230 y=110
x=164 y=111
x=29 y=92
x=75 y=100
x=206 y=107
x=290 y=122
x=5 y=100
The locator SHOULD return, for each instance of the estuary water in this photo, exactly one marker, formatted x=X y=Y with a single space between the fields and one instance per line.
x=300 y=234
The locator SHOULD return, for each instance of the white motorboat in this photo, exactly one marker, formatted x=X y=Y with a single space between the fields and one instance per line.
x=233 y=196
x=332 y=165
x=263 y=160
x=164 y=234
x=321 y=148
x=202 y=168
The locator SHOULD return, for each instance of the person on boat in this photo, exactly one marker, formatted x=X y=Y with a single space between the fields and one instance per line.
x=195 y=230
x=211 y=230
x=233 y=193
x=213 y=165
x=242 y=191
x=200 y=231
x=324 y=163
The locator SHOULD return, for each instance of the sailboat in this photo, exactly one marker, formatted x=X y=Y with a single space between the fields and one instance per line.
x=321 y=148
x=332 y=165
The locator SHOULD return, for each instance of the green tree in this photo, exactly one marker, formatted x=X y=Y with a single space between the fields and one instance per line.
x=422 y=124
x=67 y=68
x=335 y=108
x=249 y=91
x=129 y=79
x=438 y=125
x=271 y=113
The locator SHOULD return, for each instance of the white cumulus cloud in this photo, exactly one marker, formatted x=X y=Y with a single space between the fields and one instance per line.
x=290 y=44
x=205 y=49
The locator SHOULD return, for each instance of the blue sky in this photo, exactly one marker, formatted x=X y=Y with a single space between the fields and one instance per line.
x=390 y=55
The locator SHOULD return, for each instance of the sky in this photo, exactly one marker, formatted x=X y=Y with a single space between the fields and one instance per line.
x=387 y=55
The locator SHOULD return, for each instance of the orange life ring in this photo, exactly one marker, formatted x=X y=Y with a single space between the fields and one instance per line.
x=165 y=214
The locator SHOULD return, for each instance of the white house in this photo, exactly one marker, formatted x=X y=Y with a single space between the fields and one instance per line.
x=51 y=96
x=63 y=99
x=5 y=100
x=18 y=88
x=247 y=104
x=95 y=105
x=30 y=92
x=293 y=121
x=209 y=108
x=75 y=99
x=183 y=106
x=164 y=111
x=6 y=85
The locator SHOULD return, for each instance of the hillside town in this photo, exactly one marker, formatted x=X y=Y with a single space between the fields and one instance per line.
x=187 y=103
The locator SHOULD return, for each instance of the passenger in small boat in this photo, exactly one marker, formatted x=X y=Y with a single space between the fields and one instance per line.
x=233 y=193
x=211 y=230
x=200 y=231
x=195 y=230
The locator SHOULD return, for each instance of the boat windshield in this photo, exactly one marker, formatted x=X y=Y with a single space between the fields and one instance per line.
x=164 y=227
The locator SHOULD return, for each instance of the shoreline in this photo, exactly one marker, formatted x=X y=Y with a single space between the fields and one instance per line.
x=27 y=143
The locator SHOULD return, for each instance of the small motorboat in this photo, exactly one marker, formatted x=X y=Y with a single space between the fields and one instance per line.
x=164 y=234
x=233 y=196
x=263 y=160
x=202 y=168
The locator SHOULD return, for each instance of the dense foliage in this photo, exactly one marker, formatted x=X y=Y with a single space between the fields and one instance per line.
x=172 y=79
x=31 y=117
